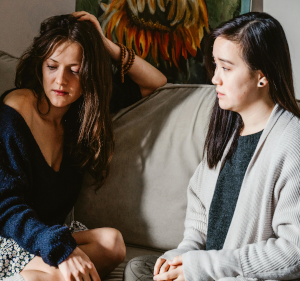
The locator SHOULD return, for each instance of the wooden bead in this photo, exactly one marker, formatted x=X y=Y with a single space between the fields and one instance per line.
x=131 y=56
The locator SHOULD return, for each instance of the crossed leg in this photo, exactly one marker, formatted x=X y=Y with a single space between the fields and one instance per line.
x=104 y=246
x=140 y=268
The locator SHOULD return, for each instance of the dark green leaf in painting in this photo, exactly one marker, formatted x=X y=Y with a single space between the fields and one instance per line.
x=90 y=6
x=222 y=10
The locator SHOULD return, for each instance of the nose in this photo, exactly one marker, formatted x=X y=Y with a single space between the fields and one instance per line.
x=61 y=77
x=216 y=80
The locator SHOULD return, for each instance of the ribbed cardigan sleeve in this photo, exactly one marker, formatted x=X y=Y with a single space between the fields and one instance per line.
x=277 y=258
x=17 y=219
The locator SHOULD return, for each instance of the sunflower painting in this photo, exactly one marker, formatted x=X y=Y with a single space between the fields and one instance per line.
x=167 y=33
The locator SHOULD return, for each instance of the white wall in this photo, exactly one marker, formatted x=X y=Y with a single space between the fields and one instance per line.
x=20 y=21
x=287 y=12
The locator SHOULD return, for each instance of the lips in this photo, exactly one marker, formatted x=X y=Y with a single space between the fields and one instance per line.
x=60 y=92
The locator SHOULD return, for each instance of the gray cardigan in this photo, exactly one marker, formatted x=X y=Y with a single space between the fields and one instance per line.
x=263 y=240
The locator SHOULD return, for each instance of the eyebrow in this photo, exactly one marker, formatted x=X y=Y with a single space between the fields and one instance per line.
x=226 y=61
x=69 y=64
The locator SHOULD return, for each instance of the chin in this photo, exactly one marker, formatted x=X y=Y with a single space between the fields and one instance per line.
x=59 y=104
x=223 y=105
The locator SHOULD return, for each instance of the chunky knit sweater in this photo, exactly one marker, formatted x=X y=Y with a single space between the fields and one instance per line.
x=263 y=240
x=34 y=199
x=227 y=191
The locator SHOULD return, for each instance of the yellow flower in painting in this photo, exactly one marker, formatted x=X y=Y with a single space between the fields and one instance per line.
x=172 y=28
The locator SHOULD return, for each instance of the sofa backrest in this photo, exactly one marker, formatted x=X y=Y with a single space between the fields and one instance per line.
x=159 y=144
x=8 y=66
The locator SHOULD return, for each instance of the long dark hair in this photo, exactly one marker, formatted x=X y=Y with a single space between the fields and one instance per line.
x=92 y=144
x=264 y=47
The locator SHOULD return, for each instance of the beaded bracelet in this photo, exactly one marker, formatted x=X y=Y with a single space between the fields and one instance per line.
x=131 y=54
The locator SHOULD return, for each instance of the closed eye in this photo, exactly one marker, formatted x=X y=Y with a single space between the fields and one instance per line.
x=54 y=67
x=51 y=67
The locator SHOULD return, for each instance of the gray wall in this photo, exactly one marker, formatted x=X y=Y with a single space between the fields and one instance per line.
x=20 y=21
x=257 y=6
x=287 y=12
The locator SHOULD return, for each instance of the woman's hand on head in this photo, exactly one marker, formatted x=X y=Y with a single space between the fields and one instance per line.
x=82 y=15
x=78 y=267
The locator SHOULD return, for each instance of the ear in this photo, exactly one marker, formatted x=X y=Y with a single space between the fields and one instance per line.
x=262 y=80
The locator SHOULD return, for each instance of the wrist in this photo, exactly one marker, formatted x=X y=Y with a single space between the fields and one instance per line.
x=115 y=53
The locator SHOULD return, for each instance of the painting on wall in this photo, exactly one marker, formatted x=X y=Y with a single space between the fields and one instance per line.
x=167 y=33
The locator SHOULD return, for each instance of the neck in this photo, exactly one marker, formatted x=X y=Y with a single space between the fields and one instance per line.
x=256 y=116
x=53 y=114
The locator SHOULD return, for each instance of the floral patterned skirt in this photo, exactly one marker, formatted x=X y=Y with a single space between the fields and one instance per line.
x=13 y=258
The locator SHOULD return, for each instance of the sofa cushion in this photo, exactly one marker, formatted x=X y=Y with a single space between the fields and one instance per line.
x=8 y=66
x=159 y=143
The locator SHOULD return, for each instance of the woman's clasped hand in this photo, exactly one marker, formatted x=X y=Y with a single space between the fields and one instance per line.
x=169 y=270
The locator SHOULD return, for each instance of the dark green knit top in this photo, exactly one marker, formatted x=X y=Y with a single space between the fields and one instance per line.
x=227 y=191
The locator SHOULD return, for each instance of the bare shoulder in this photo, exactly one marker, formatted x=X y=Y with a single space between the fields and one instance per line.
x=21 y=100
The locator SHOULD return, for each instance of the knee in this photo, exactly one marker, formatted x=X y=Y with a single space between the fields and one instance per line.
x=112 y=240
x=55 y=276
x=140 y=268
x=148 y=260
x=52 y=274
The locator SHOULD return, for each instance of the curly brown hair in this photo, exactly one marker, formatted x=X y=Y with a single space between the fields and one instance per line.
x=92 y=143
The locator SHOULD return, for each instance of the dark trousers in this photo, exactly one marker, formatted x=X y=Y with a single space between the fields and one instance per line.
x=140 y=268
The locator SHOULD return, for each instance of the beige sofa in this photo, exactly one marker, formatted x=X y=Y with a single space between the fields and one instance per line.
x=159 y=143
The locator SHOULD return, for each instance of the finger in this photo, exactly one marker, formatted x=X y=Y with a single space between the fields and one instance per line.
x=86 y=277
x=77 y=276
x=81 y=267
x=167 y=275
x=67 y=276
x=157 y=266
x=172 y=267
x=94 y=274
x=176 y=261
x=79 y=13
x=85 y=17
x=91 y=19
x=75 y=273
x=164 y=268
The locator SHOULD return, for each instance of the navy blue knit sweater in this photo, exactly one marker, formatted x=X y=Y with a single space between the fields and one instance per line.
x=34 y=199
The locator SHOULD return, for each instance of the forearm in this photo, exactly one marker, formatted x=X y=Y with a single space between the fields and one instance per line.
x=267 y=260
x=142 y=73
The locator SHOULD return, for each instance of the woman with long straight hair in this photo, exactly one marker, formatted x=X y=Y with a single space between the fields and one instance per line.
x=55 y=126
x=243 y=213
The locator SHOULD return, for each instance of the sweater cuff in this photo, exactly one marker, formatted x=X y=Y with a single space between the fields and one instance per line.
x=211 y=265
x=169 y=255
x=56 y=248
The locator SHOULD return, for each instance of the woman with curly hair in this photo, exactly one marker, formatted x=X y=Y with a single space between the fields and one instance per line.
x=55 y=126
